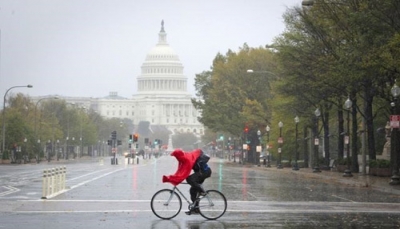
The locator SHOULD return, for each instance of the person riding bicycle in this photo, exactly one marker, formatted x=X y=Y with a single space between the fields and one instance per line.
x=201 y=171
x=195 y=160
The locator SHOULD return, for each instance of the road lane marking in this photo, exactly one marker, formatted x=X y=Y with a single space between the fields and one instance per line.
x=83 y=183
x=10 y=190
x=285 y=211
x=344 y=198
x=86 y=175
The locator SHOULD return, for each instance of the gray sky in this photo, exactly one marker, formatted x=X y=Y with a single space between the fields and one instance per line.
x=91 y=47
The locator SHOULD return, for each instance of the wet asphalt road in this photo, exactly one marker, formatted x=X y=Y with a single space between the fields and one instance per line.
x=118 y=196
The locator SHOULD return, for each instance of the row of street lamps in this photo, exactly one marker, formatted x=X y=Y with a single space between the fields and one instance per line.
x=395 y=134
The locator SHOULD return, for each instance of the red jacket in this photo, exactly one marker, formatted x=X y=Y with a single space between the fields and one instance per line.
x=186 y=162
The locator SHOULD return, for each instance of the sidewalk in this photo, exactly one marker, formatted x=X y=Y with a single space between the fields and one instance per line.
x=357 y=180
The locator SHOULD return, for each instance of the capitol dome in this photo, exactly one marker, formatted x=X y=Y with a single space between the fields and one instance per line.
x=162 y=71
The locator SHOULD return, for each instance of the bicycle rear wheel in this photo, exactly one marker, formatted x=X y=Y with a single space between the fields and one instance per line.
x=166 y=204
x=213 y=205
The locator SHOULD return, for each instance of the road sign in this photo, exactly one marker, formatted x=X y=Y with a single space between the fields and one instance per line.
x=114 y=150
x=395 y=121
x=280 y=140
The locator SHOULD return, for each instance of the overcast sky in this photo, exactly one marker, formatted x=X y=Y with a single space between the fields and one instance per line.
x=91 y=47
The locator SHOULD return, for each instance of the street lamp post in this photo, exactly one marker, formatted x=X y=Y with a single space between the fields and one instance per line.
x=25 y=151
x=296 y=157
x=66 y=147
x=316 y=142
x=347 y=105
x=267 y=146
x=394 y=140
x=58 y=150
x=229 y=148
x=4 y=115
x=258 y=149
x=48 y=150
x=280 y=141
x=73 y=147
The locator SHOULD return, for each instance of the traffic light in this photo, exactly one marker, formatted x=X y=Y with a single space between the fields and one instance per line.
x=246 y=129
x=130 y=138
x=119 y=142
x=221 y=137
x=114 y=135
x=130 y=145
x=109 y=142
x=155 y=141
x=135 y=137
x=146 y=141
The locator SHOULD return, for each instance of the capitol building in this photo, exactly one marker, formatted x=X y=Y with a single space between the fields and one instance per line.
x=162 y=98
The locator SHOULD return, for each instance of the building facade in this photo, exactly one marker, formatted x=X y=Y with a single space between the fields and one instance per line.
x=162 y=98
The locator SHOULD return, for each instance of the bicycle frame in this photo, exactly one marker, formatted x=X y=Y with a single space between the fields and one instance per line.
x=191 y=205
x=176 y=189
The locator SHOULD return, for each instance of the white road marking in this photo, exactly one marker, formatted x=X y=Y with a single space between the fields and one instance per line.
x=10 y=190
x=343 y=198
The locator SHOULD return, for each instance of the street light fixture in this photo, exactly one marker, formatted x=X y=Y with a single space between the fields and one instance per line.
x=347 y=105
x=394 y=140
x=296 y=157
x=251 y=71
x=280 y=141
x=268 y=129
x=316 y=142
x=4 y=115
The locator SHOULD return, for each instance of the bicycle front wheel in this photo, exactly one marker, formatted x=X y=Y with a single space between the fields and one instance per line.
x=213 y=205
x=166 y=204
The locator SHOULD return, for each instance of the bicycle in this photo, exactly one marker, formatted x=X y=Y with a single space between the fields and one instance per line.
x=167 y=203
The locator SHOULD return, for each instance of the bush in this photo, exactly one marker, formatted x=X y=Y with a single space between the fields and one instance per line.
x=373 y=164
x=5 y=155
x=341 y=161
x=382 y=163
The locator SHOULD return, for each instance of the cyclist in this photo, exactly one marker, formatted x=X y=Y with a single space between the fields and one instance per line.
x=201 y=171
x=195 y=160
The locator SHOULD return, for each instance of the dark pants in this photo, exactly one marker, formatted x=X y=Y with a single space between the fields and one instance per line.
x=195 y=180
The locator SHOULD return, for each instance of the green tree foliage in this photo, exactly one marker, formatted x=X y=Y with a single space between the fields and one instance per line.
x=230 y=97
x=337 y=49
x=56 y=120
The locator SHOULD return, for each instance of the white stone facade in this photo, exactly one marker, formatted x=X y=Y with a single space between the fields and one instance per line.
x=162 y=97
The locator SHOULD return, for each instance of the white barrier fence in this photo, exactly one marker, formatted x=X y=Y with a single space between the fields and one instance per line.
x=53 y=181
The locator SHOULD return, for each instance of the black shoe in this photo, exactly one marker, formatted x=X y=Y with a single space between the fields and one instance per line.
x=193 y=212
x=202 y=193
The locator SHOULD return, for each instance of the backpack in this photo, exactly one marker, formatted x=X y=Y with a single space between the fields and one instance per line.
x=201 y=162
